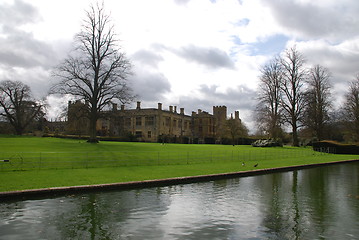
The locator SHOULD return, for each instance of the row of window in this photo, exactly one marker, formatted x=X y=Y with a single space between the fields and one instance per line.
x=139 y=134
x=150 y=121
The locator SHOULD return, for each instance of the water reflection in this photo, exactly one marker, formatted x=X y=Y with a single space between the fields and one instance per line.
x=320 y=203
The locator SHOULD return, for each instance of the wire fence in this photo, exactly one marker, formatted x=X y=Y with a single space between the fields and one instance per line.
x=66 y=160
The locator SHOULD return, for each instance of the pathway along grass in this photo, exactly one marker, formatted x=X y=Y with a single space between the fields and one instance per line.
x=64 y=162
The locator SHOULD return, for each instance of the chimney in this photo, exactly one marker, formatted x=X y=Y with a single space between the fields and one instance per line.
x=122 y=107
x=199 y=111
x=231 y=115
x=175 y=109
x=171 y=108
x=182 y=111
x=159 y=106
x=114 y=106
x=236 y=115
x=193 y=113
x=138 y=105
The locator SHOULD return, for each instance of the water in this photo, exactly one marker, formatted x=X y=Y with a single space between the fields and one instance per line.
x=319 y=203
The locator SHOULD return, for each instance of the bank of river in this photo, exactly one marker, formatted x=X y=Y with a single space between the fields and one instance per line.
x=24 y=194
x=312 y=203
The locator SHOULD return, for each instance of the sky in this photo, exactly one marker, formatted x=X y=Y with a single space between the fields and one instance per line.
x=194 y=54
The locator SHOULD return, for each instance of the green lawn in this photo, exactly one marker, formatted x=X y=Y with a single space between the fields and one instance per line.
x=51 y=162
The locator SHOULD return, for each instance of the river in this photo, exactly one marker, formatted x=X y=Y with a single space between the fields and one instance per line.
x=317 y=203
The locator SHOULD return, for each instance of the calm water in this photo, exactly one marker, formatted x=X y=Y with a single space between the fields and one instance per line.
x=320 y=203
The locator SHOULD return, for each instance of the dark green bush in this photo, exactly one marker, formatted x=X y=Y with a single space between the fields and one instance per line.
x=335 y=147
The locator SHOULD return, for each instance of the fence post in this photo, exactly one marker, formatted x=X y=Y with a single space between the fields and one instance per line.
x=158 y=158
x=22 y=162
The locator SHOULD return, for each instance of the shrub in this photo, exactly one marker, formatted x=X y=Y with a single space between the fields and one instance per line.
x=267 y=143
x=335 y=147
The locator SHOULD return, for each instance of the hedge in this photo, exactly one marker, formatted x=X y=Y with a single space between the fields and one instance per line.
x=335 y=147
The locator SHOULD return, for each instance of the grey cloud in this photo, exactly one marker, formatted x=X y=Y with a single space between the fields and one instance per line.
x=181 y=2
x=342 y=64
x=147 y=57
x=18 y=13
x=209 y=57
x=310 y=20
x=239 y=97
x=150 y=86
x=19 y=48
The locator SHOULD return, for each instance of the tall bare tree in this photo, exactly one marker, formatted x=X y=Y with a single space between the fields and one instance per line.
x=292 y=87
x=268 y=109
x=18 y=106
x=318 y=101
x=234 y=128
x=97 y=70
x=351 y=109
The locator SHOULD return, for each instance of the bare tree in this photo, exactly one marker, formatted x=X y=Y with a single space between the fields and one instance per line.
x=292 y=87
x=317 y=101
x=18 y=106
x=268 y=109
x=234 y=128
x=351 y=109
x=97 y=70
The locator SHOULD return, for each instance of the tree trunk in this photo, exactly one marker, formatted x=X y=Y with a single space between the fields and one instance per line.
x=295 y=136
x=92 y=130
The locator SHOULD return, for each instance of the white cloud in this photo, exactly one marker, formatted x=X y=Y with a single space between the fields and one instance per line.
x=186 y=51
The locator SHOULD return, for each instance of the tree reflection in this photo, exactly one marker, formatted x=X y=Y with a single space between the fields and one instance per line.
x=315 y=203
x=297 y=217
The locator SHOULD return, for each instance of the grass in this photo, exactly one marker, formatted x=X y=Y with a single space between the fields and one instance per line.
x=50 y=162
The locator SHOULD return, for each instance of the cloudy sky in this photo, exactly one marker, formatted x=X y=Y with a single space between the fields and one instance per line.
x=189 y=53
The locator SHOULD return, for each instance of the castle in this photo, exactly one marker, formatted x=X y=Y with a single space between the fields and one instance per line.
x=154 y=124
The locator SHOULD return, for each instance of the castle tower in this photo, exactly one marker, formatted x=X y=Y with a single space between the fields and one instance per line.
x=220 y=116
x=220 y=113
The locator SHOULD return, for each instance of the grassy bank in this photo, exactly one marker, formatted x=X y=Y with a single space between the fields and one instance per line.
x=49 y=162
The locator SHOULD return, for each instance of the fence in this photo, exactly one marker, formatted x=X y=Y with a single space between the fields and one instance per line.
x=62 y=160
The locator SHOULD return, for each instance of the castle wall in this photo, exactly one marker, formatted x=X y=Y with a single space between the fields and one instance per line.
x=150 y=124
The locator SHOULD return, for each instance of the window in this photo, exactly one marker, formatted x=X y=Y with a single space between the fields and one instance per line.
x=174 y=123
x=168 y=121
x=104 y=124
x=128 y=122
x=138 y=121
x=179 y=123
x=149 y=134
x=149 y=121
x=138 y=134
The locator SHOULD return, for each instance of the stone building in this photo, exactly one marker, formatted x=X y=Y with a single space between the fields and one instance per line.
x=148 y=124
x=77 y=122
x=155 y=124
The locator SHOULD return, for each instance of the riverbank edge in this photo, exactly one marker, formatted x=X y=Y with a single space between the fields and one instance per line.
x=61 y=191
